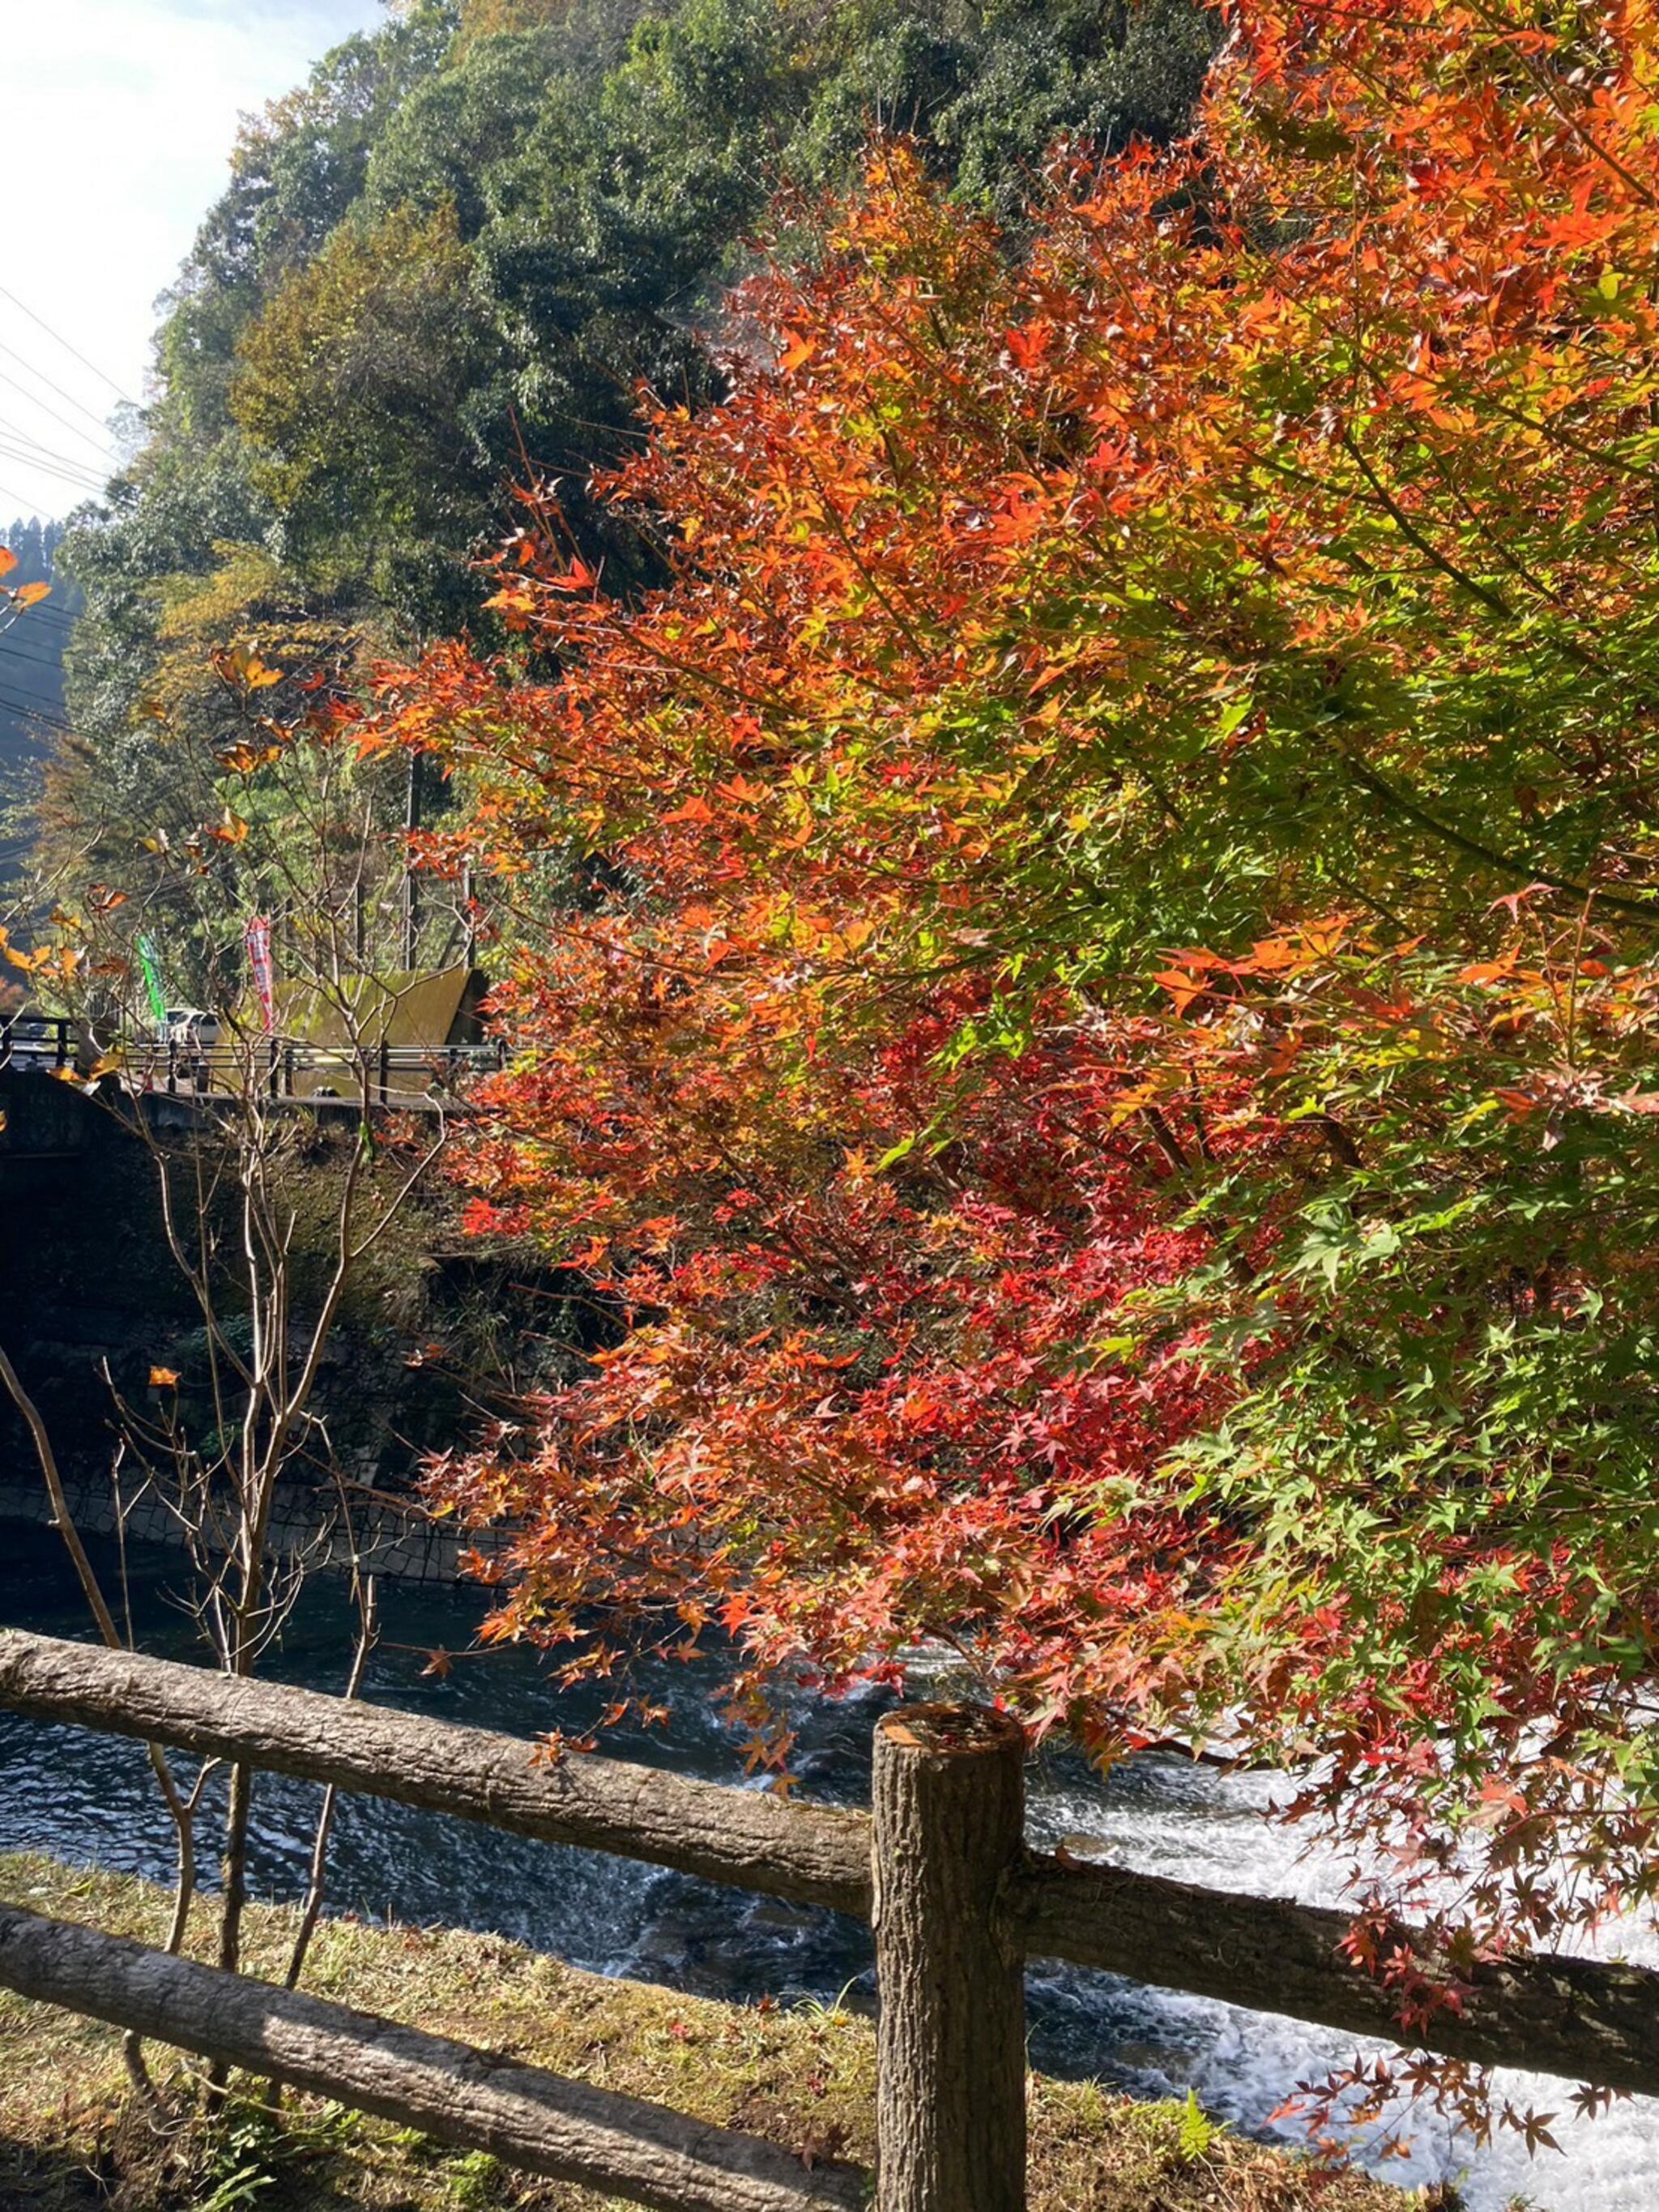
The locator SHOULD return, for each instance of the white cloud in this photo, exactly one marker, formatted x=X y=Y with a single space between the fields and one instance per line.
x=120 y=117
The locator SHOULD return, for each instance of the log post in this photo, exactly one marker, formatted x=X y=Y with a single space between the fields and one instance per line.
x=947 y=1836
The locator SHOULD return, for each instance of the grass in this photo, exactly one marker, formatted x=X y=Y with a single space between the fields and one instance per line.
x=73 y=2137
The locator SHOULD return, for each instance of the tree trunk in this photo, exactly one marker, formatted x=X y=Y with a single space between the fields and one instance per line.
x=948 y=1835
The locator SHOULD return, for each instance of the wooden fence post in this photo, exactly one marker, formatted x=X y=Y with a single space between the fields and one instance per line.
x=948 y=1832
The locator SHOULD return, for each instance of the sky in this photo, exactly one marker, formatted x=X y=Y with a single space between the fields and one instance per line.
x=117 y=118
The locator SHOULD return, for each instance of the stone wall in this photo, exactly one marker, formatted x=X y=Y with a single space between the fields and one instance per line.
x=392 y=1539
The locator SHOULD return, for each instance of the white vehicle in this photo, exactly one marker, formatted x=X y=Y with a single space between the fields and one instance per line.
x=191 y=1028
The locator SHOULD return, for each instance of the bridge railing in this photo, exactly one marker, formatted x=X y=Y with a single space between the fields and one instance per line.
x=384 y=1074
x=279 y=1067
x=38 y=1041
x=940 y=1868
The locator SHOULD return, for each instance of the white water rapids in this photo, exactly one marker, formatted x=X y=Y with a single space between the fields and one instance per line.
x=1197 y=1826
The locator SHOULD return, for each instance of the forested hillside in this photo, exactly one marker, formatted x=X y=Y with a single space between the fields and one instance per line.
x=31 y=674
x=453 y=258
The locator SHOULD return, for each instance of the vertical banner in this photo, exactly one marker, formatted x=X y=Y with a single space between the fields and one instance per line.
x=257 y=936
x=151 y=969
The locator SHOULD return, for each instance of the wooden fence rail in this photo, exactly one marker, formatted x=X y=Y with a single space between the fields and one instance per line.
x=940 y=1867
x=568 y=2129
x=746 y=1838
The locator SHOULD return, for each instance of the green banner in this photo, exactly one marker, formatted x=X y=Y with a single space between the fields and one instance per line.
x=158 y=1004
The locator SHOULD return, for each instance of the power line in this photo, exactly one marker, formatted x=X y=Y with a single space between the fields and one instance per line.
x=51 y=641
x=28 y=700
x=13 y=645
x=41 y=321
x=105 y=451
x=76 y=488
x=44 y=612
x=50 y=465
x=10 y=645
x=19 y=435
x=48 y=610
x=26 y=511
x=31 y=713
x=43 y=458
x=68 y=398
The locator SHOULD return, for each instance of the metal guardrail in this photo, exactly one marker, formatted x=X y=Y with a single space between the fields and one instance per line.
x=278 y=1067
x=29 y=1041
x=318 y=1074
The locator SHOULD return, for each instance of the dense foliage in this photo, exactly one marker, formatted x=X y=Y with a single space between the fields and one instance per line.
x=1086 y=971
x=465 y=244
x=30 y=672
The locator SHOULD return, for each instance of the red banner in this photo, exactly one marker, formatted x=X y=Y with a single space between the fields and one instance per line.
x=257 y=937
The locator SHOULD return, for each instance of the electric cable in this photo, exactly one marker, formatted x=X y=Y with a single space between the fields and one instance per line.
x=31 y=713
x=72 y=478
x=102 y=375
x=68 y=398
x=60 y=625
x=34 y=450
x=105 y=451
x=10 y=645
x=59 y=628
x=80 y=479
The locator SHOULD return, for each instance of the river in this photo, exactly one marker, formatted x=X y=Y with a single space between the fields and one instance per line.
x=90 y=1798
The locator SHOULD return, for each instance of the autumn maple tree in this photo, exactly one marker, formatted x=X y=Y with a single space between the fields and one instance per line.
x=14 y=598
x=1084 y=974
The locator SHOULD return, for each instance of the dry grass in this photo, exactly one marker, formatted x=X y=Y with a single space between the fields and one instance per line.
x=71 y=2138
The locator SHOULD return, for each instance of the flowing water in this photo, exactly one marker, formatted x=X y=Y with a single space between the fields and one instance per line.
x=90 y=1798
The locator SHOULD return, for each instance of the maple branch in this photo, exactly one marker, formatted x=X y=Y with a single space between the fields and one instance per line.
x=1524 y=870
x=1425 y=546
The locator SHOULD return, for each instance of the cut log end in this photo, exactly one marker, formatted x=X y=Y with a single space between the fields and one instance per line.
x=945 y=1731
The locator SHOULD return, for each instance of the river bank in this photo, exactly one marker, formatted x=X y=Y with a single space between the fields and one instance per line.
x=804 y=2075
x=90 y=1800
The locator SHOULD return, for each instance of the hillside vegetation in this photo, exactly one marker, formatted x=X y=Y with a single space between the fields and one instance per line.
x=1064 y=787
x=451 y=260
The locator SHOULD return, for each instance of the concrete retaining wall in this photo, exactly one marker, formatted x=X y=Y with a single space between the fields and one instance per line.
x=391 y=1540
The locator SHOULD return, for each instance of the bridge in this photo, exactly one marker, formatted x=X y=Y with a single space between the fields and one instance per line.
x=395 y=1078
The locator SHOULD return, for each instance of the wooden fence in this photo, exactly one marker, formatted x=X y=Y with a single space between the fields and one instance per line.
x=940 y=1867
